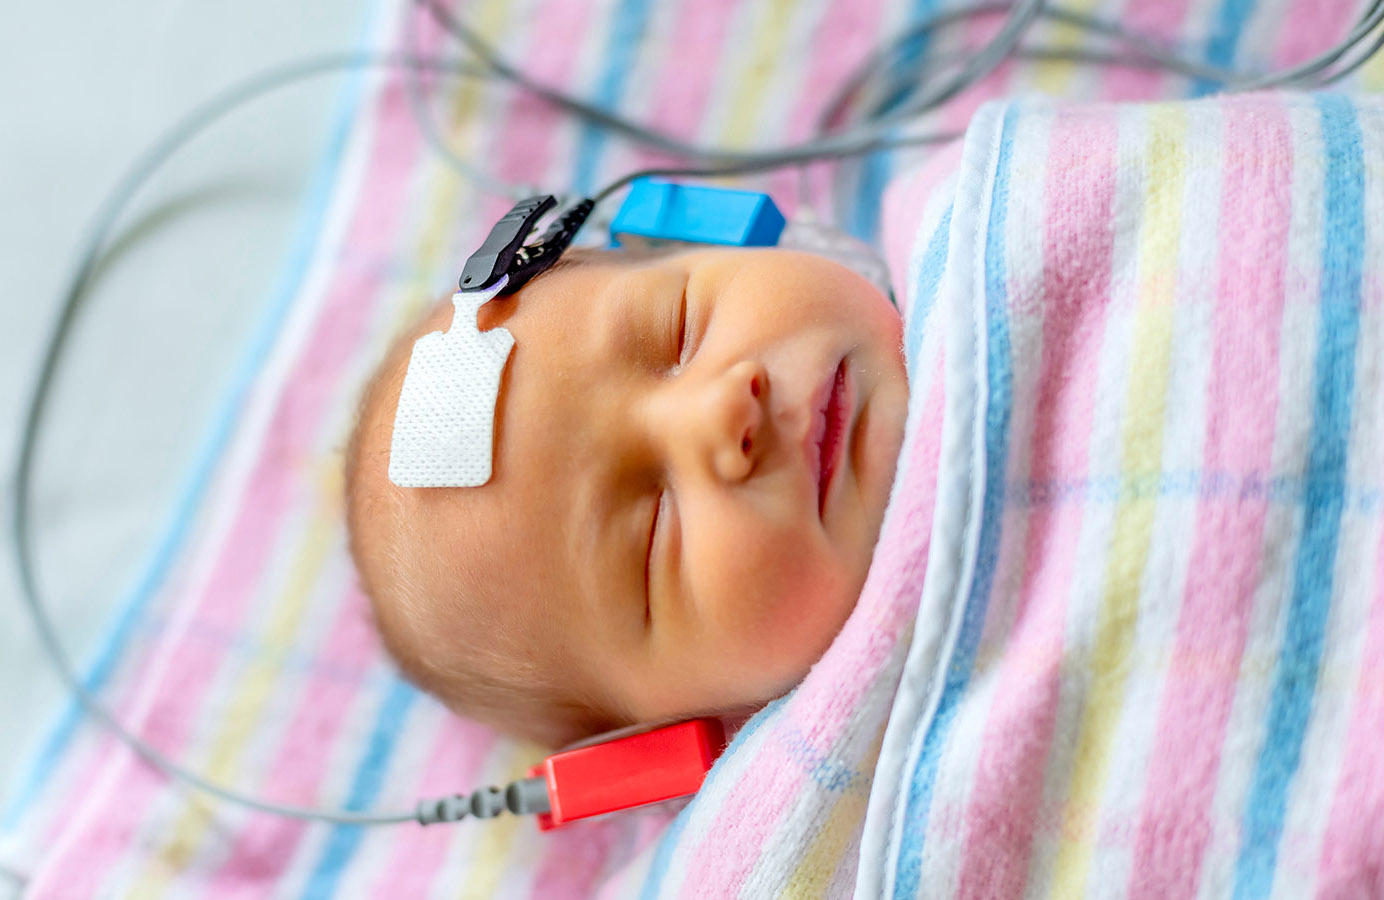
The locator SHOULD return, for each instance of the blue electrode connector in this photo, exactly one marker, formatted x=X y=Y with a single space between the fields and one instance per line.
x=654 y=214
x=657 y=213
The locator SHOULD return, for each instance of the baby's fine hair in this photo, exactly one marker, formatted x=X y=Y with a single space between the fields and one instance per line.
x=477 y=672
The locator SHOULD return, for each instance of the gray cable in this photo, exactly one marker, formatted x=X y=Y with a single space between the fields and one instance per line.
x=863 y=91
x=882 y=59
x=982 y=63
x=14 y=875
x=862 y=141
x=1354 y=65
x=96 y=240
x=869 y=134
x=1303 y=71
x=786 y=158
x=413 y=90
x=1021 y=16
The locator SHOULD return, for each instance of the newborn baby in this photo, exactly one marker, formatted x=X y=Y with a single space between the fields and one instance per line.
x=692 y=457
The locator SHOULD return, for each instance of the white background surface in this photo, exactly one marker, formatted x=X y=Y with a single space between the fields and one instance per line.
x=82 y=88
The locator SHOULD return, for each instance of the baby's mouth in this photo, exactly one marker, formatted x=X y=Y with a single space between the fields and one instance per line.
x=830 y=433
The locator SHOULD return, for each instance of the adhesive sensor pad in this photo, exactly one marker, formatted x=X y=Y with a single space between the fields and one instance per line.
x=444 y=427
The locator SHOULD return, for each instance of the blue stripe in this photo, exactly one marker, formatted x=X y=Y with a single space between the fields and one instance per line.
x=1297 y=669
x=668 y=843
x=624 y=37
x=365 y=787
x=1224 y=40
x=862 y=219
x=925 y=294
x=131 y=607
x=999 y=390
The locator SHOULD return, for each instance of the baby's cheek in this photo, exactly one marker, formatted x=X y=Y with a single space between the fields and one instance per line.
x=782 y=604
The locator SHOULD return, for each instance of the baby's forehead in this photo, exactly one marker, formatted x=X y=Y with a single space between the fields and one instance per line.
x=523 y=485
x=541 y=400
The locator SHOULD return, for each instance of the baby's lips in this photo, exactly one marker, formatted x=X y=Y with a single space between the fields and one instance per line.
x=838 y=414
x=814 y=413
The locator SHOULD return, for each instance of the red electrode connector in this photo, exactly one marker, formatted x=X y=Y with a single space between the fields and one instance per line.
x=627 y=772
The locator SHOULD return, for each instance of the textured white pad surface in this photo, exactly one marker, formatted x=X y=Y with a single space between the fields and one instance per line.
x=444 y=428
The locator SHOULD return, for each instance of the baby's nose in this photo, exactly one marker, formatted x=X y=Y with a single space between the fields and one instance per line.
x=732 y=420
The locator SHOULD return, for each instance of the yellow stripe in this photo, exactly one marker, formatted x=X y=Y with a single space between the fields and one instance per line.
x=817 y=869
x=753 y=83
x=1372 y=74
x=1133 y=531
x=245 y=713
x=1055 y=76
x=490 y=853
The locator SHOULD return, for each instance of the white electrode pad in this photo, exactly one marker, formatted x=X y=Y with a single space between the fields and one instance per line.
x=444 y=428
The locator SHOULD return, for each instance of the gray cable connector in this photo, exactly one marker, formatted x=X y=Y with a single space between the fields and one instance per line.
x=527 y=796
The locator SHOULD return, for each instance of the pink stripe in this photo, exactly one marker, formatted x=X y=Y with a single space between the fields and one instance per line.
x=1352 y=861
x=956 y=115
x=264 y=845
x=576 y=859
x=1309 y=27
x=1241 y=411
x=271 y=493
x=458 y=757
x=1161 y=20
x=92 y=756
x=644 y=833
x=525 y=141
x=698 y=44
x=1003 y=810
x=818 y=714
x=845 y=34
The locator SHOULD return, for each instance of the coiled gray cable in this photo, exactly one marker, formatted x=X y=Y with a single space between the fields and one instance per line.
x=98 y=237
x=873 y=128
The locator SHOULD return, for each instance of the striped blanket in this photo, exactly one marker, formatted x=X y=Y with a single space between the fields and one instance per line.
x=244 y=649
x=1149 y=658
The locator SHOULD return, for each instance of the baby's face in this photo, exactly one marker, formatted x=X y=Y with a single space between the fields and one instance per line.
x=693 y=455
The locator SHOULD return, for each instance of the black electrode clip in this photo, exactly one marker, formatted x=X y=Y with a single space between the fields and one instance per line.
x=505 y=253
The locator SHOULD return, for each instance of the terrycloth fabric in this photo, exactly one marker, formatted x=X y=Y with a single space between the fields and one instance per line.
x=1150 y=648
x=244 y=649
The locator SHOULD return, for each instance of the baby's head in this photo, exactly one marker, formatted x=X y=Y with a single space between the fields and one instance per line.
x=692 y=457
